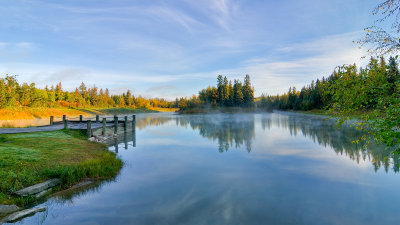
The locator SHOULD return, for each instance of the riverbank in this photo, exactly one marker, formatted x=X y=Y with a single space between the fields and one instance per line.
x=24 y=116
x=26 y=113
x=222 y=110
x=31 y=158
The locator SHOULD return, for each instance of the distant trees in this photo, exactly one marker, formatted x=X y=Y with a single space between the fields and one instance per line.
x=373 y=92
x=13 y=94
x=224 y=95
x=362 y=88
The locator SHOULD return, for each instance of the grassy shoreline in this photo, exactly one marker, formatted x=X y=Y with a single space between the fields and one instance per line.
x=31 y=158
x=27 y=113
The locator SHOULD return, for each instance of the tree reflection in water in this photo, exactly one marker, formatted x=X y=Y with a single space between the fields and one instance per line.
x=238 y=130
x=228 y=130
x=322 y=131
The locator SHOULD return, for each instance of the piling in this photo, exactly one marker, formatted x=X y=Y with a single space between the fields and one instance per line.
x=126 y=140
x=80 y=118
x=125 y=123
x=115 y=124
x=134 y=137
x=116 y=145
x=51 y=120
x=89 y=128
x=133 y=121
x=65 y=123
x=103 y=131
x=97 y=118
x=134 y=130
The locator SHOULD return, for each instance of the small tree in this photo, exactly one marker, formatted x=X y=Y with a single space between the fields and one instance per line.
x=382 y=41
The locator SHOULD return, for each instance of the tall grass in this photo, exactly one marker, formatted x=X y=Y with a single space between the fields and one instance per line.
x=31 y=158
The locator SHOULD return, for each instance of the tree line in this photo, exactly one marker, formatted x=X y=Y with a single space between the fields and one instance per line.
x=372 y=93
x=362 y=88
x=14 y=94
x=225 y=94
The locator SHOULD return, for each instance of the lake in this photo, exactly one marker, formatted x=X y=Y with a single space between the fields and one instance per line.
x=272 y=168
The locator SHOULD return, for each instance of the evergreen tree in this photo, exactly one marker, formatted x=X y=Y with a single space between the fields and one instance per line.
x=220 y=88
x=238 y=98
x=248 y=92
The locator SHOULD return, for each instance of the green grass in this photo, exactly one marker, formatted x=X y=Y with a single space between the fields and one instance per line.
x=315 y=112
x=31 y=158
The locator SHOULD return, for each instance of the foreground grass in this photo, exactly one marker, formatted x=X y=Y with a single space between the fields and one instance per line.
x=28 y=159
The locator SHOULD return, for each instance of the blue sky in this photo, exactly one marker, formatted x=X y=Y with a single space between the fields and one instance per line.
x=174 y=48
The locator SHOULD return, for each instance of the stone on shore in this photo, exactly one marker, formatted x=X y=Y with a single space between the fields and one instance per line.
x=43 y=193
x=93 y=139
x=21 y=214
x=81 y=184
x=38 y=187
x=7 y=209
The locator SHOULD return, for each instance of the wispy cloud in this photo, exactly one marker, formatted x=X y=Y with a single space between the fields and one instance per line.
x=183 y=43
x=176 y=16
x=314 y=59
x=218 y=11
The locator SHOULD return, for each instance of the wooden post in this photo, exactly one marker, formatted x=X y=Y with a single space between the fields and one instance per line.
x=133 y=121
x=103 y=132
x=64 y=117
x=126 y=140
x=65 y=124
x=51 y=120
x=125 y=123
x=97 y=118
x=116 y=145
x=115 y=124
x=80 y=118
x=89 y=128
x=133 y=137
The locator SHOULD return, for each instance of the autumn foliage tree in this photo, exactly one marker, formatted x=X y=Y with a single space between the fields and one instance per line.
x=13 y=94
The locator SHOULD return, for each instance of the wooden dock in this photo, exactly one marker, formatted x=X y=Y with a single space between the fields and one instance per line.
x=89 y=125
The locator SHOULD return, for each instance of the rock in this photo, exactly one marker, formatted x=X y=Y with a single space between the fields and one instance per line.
x=24 y=213
x=43 y=193
x=7 y=209
x=92 y=139
x=38 y=187
x=82 y=184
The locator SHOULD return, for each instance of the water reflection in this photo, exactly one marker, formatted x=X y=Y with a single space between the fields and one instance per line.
x=122 y=137
x=292 y=175
x=228 y=131
x=322 y=131
x=239 y=130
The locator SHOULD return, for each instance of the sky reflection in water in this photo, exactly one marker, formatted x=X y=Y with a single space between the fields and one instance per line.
x=238 y=169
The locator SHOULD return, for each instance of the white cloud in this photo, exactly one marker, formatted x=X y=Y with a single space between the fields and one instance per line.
x=292 y=65
x=26 y=45
x=314 y=59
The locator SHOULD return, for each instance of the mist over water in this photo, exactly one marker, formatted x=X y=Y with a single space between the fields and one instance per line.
x=272 y=168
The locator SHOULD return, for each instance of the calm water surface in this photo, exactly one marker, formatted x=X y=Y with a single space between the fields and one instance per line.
x=238 y=169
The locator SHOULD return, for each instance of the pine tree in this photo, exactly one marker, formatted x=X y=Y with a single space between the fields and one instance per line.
x=248 y=92
x=220 y=88
x=238 y=99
